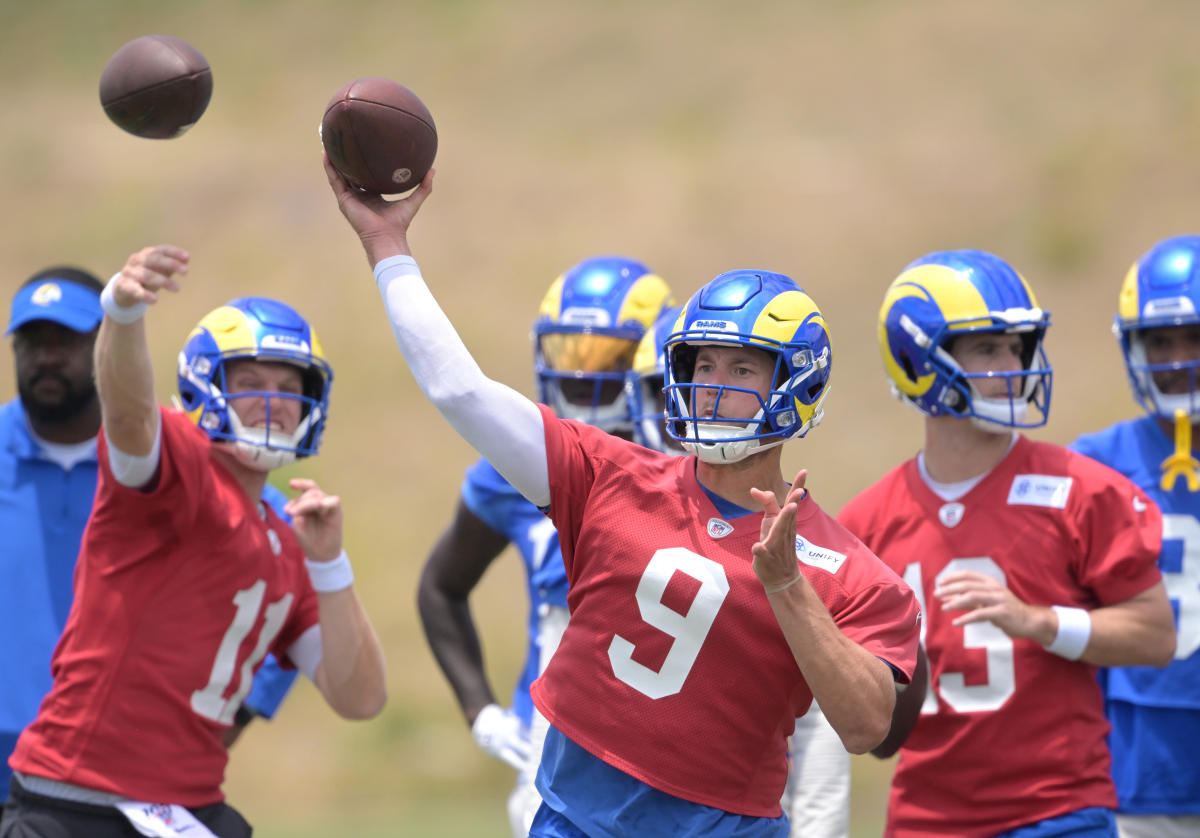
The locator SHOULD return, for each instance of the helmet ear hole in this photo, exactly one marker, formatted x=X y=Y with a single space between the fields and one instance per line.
x=683 y=362
x=1029 y=345
x=907 y=365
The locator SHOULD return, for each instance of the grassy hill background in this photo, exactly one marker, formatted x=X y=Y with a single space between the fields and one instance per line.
x=833 y=142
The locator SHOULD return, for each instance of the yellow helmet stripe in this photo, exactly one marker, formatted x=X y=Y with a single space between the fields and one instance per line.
x=779 y=320
x=645 y=300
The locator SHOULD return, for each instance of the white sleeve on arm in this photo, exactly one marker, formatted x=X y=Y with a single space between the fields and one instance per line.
x=134 y=470
x=307 y=651
x=500 y=423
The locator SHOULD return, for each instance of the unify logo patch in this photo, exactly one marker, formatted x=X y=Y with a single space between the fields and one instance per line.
x=817 y=556
x=1040 y=490
x=718 y=528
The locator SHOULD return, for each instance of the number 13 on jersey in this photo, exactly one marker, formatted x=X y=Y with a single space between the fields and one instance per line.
x=952 y=686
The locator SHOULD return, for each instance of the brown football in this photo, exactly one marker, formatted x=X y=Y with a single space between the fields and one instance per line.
x=156 y=86
x=379 y=135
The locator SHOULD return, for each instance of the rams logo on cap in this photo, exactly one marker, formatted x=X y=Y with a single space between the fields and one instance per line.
x=46 y=294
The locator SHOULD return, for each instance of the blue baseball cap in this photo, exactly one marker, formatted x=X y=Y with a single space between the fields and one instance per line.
x=58 y=300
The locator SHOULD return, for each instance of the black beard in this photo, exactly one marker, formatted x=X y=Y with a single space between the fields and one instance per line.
x=75 y=401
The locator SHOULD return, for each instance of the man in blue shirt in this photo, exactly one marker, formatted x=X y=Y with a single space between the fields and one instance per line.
x=47 y=481
x=1155 y=713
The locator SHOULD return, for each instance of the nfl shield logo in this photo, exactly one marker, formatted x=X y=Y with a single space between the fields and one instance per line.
x=718 y=528
x=950 y=515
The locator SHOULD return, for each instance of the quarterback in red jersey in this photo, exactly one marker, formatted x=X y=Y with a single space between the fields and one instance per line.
x=710 y=600
x=186 y=580
x=1034 y=566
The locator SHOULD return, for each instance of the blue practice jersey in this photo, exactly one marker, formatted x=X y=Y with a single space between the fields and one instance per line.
x=1155 y=713
x=490 y=497
x=43 y=510
x=272 y=682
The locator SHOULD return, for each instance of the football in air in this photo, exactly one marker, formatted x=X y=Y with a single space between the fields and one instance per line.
x=379 y=136
x=156 y=86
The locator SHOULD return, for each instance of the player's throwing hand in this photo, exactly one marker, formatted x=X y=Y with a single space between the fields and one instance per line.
x=147 y=272
x=381 y=225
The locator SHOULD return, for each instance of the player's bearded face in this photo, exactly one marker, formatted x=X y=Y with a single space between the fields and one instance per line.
x=54 y=370
x=259 y=411
x=586 y=391
x=1173 y=345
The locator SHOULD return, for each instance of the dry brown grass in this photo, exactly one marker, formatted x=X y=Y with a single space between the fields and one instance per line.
x=833 y=142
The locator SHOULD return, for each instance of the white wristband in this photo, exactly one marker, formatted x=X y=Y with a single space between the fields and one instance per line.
x=117 y=312
x=1074 y=630
x=774 y=589
x=333 y=575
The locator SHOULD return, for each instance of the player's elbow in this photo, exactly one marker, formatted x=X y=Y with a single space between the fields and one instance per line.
x=1162 y=648
x=362 y=705
x=450 y=395
x=867 y=735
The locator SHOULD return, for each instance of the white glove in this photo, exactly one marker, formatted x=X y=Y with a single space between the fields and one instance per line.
x=499 y=733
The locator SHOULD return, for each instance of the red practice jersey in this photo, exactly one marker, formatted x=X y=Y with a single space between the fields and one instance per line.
x=179 y=594
x=673 y=668
x=1010 y=734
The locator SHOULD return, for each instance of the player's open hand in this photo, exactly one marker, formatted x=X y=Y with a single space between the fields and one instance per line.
x=381 y=225
x=316 y=520
x=775 y=555
x=985 y=599
x=147 y=272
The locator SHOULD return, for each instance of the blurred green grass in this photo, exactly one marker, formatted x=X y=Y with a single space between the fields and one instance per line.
x=833 y=142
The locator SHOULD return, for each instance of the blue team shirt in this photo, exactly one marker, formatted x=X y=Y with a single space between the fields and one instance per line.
x=43 y=510
x=495 y=502
x=1155 y=713
x=621 y=805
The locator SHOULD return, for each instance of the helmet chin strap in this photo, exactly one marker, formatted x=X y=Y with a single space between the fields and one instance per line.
x=1166 y=405
x=720 y=450
x=261 y=458
x=1170 y=405
x=610 y=417
x=251 y=447
x=999 y=416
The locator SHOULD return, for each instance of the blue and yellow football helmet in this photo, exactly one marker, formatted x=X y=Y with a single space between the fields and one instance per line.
x=948 y=294
x=1162 y=288
x=644 y=386
x=587 y=333
x=261 y=329
x=761 y=310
